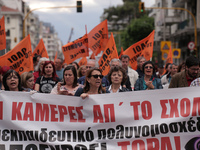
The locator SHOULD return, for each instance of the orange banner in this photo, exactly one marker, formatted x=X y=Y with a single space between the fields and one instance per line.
x=169 y=56
x=142 y=48
x=121 y=53
x=92 y=56
x=2 y=34
x=55 y=56
x=41 y=50
x=76 y=49
x=20 y=57
x=98 y=37
x=109 y=53
x=83 y=61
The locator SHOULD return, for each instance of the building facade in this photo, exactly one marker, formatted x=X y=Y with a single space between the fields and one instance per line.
x=177 y=25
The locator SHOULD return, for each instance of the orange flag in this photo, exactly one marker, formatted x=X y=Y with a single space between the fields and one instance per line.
x=83 y=61
x=2 y=34
x=121 y=53
x=41 y=50
x=109 y=53
x=76 y=49
x=20 y=57
x=55 y=56
x=92 y=56
x=142 y=48
x=98 y=37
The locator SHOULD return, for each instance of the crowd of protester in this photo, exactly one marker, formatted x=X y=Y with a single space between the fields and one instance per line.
x=74 y=80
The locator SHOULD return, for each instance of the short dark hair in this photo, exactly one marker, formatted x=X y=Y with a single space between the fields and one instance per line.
x=125 y=56
x=149 y=62
x=116 y=69
x=192 y=61
x=73 y=69
x=6 y=76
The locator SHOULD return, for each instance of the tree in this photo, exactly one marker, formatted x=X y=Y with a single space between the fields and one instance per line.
x=137 y=30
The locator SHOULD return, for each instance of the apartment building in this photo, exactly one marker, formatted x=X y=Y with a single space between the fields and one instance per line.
x=177 y=25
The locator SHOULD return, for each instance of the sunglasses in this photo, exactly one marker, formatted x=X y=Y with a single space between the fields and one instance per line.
x=96 y=76
x=146 y=67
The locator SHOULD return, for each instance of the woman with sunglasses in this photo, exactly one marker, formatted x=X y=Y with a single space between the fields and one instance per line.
x=117 y=77
x=46 y=82
x=148 y=81
x=92 y=84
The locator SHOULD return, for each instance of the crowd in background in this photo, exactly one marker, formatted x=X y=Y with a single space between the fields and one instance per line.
x=74 y=80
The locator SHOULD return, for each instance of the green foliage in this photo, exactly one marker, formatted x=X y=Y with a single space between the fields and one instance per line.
x=137 y=30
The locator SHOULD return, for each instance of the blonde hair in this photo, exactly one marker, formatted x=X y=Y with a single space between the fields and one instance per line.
x=24 y=77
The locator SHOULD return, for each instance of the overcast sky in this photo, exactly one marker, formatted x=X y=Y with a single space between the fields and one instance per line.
x=66 y=18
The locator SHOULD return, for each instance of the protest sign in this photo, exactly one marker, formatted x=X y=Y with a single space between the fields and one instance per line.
x=41 y=50
x=98 y=37
x=20 y=57
x=142 y=48
x=83 y=61
x=76 y=49
x=165 y=119
x=109 y=53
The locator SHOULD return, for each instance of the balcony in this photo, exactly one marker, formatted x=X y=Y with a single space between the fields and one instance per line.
x=182 y=25
x=178 y=3
x=170 y=20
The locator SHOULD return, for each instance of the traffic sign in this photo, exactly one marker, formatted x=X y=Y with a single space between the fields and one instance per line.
x=176 y=53
x=164 y=54
x=165 y=45
x=191 y=45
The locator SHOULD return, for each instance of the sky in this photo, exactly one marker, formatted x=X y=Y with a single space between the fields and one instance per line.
x=64 y=19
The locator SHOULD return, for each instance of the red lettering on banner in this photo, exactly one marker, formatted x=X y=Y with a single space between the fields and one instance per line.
x=62 y=111
x=45 y=112
x=80 y=114
x=165 y=143
x=72 y=114
x=123 y=145
x=98 y=116
x=42 y=112
x=174 y=108
x=1 y=110
x=177 y=142
x=28 y=113
x=164 y=109
x=152 y=144
x=196 y=107
x=137 y=143
x=183 y=109
x=53 y=113
x=110 y=107
x=146 y=110
x=16 y=113
x=135 y=109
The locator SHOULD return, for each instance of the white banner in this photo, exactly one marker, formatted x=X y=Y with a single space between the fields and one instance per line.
x=166 y=119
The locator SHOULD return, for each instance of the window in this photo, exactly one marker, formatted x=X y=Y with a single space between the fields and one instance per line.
x=8 y=33
x=8 y=20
